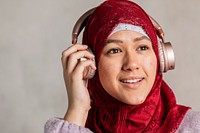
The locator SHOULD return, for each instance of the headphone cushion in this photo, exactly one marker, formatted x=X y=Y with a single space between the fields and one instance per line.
x=161 y=56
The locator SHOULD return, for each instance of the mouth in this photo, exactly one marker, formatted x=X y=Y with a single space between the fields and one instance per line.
x=131 y=81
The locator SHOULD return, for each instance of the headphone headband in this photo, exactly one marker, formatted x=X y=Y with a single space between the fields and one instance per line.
x=166 y=54
x=80 y=25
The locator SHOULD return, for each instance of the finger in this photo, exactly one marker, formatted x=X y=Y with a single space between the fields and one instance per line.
x=78 y=72
x=69 y=51
x=75 y=58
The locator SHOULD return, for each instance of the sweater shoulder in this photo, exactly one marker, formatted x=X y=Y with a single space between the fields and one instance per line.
x=57 y=125
x=190 y=122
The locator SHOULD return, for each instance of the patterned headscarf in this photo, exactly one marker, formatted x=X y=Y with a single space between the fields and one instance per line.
x=159 y=112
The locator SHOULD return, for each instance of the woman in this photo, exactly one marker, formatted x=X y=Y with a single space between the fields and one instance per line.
x=127 y=92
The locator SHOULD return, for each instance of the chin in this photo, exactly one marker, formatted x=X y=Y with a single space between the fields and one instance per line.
x=135 y=101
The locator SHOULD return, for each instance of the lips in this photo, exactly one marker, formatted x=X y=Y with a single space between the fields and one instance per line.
x=131 y=81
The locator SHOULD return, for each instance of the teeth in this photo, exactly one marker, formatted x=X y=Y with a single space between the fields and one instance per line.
x=131 y=80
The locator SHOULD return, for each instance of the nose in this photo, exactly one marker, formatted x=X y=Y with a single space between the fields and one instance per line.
x=130 y=62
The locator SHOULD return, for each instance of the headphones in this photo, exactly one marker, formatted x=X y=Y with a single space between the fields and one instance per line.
x=166 y=53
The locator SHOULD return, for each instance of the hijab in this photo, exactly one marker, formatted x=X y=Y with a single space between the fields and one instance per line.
x=159 y=112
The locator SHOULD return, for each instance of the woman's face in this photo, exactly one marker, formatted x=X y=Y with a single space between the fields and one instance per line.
x=127 y=67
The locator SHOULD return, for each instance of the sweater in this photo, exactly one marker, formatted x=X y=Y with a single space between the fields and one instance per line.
x=189 y=124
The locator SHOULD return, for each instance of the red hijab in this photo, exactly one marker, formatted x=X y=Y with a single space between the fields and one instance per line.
x=159 y=112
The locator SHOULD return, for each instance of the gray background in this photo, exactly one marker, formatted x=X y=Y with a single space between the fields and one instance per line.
x=33 y=33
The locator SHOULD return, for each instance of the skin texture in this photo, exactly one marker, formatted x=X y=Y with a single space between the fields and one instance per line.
x=129 y=63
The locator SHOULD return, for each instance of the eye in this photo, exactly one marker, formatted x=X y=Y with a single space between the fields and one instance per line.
x=114 y=51
x=143 y=48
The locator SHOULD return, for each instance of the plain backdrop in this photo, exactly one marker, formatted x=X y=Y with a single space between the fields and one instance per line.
x=33 y=34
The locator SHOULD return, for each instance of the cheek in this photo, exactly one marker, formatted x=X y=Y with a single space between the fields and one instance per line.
x=108 y=71
x=105 y=69
x=150 y=64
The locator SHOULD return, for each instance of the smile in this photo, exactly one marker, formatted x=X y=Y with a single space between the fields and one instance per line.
x=132 y=81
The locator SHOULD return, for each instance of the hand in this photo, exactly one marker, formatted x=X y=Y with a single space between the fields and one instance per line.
x=78 y=95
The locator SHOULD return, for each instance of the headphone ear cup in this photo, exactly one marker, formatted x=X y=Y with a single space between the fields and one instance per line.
x=161 y=56
x=89 y=72
x=166 y=55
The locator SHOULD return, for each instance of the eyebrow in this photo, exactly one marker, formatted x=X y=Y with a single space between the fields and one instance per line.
x=113 y=41
x=120 y=41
